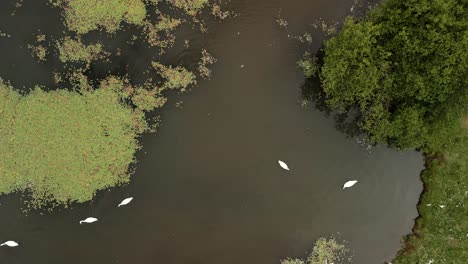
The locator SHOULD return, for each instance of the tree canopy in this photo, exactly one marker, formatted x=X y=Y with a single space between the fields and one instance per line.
x=405 y=67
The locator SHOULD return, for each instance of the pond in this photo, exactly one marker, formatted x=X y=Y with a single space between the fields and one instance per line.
x=207 y=186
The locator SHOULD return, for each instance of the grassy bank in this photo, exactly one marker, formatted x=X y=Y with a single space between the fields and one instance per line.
x=441 y=231
x=404 y=66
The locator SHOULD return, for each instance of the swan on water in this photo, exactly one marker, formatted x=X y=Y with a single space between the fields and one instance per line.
x=283 y=165
x=349 y=184
x=125 y=201
x=10 y=244
x=88 y=220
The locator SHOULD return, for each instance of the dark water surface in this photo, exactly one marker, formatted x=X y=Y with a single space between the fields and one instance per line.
x=207 y=187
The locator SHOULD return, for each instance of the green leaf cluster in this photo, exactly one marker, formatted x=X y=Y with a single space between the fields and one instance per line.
x=405 y=66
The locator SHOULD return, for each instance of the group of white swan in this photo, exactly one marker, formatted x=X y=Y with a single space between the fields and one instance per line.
x=347 y=184
x=126 y=201
x=88 y=220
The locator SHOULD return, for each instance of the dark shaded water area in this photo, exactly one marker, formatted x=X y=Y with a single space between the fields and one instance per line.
x=207 y=186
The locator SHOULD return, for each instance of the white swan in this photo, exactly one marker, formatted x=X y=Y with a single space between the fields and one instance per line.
x=88 y=220
x=283 y=165
x=349 y=184
x=10 y=244
x=125 y=201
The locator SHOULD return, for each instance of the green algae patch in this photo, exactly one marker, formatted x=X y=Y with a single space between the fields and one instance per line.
x=161 y=34
x=191 y=7
x=63 y=146
x=83 y=16
x=176 y=77
x=74 y=50
x=325 y=250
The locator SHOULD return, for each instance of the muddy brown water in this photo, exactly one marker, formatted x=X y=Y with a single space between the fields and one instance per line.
x=207 y=186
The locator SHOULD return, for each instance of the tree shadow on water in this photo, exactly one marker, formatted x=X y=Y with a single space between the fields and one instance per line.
x=346 y=121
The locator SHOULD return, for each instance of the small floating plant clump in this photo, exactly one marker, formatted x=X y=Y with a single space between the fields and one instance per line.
x=73 y=50
x=62 y=146
x=217 y=12
x=39 y=51
x=166 y=26
x=176 y=77
x=309 y=65
x=326 y=250
x=191 y=7
x=203 y=66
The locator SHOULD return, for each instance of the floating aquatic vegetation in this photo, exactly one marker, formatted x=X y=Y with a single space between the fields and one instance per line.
x=148 y=100
x=206 y=60
x=107 y=115
x=191 y=7
x=325 y=250
x=176 y=77
x=4 y=35
x=74 y=50
x=329 y=28
x=39 y=51
x=309 y=65
x=63 y=146
x=83 y=16
x=79 y=80
x=283 y=23
x=217 y=12
x=165 y=25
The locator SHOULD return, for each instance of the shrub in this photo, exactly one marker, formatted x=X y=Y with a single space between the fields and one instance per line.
x=405 y=66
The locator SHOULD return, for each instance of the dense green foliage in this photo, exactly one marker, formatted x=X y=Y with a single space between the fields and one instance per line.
x=405 y=66
x=324 y=251
x=63 y=146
